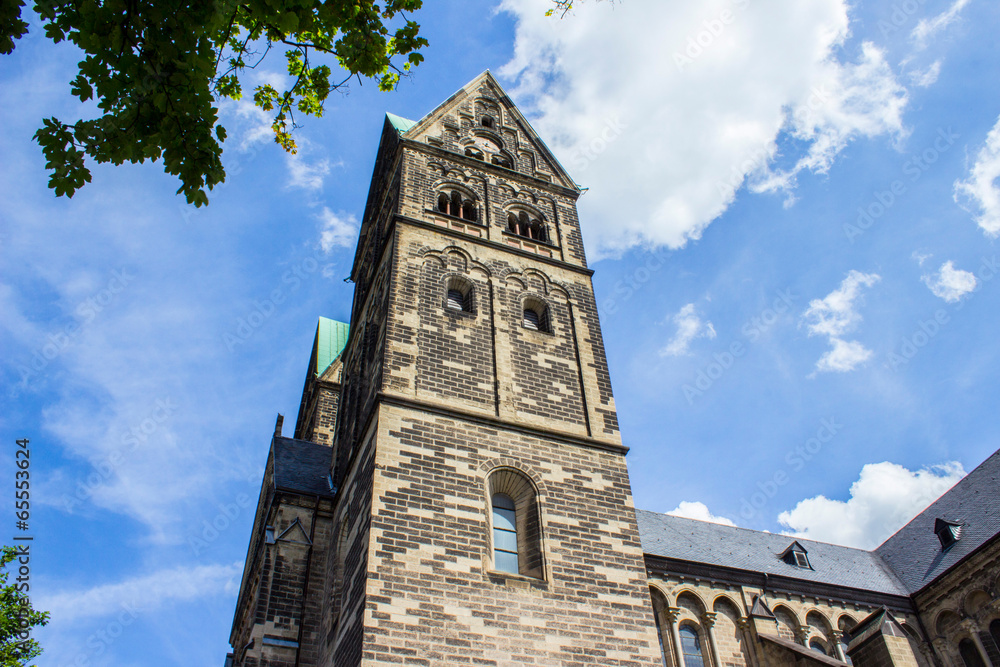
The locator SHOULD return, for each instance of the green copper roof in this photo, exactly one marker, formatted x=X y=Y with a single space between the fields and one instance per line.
x=331 y=337
x=401 y=124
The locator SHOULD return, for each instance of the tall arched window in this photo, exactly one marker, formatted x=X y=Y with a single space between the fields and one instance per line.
x=505 y=534
x=516 y=524
x=691 y=647
x=970 y=654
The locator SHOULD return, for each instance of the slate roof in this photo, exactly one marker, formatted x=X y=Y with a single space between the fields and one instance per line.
x=301 y=466
x=914 y=552
x=754 y=551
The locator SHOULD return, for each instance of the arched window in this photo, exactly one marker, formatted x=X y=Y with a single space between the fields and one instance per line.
x=535 y=316
x=516 y=524
x=455 y=204
x=970 y=654
x=505 y=534
x=522 y=224
x=459 y=295
x=501 y=161
x=488 y=122
x=691 y=647
x=474 y=153
x=817 y=645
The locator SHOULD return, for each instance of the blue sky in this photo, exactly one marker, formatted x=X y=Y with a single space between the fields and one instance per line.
x=792 y=213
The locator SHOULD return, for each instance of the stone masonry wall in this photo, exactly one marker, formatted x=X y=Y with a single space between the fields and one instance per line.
x=432 y=595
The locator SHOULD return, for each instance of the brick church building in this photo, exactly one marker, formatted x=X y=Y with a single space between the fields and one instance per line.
x=456 y=491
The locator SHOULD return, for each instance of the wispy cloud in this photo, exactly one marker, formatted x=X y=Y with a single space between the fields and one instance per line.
x=978 y=193
x=885 y=497
x=927 y=77
x=304 y=174
x=929 y=27
x=146 y=592
x=689 y=327
x=949 y=283
x=337 y=230
x=836 y=315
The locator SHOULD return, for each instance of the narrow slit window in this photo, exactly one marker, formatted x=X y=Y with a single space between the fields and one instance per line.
x=505 y=534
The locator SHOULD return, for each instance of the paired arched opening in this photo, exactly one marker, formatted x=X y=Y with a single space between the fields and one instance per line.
x=515 y=524
x=527 y=226
x=453 y=203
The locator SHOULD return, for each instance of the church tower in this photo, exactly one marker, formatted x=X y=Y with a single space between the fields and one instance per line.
x=485 y=514
x=482 y=512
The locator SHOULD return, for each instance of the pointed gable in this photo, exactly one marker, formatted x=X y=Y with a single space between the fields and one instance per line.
x=481 y=121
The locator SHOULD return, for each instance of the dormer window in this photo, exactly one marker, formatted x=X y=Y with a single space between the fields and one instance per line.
x=522 y=224
x=453 y=203
x=796 y=555
x=948 y=532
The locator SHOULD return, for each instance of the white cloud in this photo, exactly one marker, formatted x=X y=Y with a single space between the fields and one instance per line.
x=302 y=174
x=928 y=77
x=142 y=594
x=699 y=511
x=920 y=257
x=689 y=326
x=843 y=357
x=979 y=193
x=637 y=109
x=950 y=284
x=836 y=315
x=337 y=230
x=885 y=497
x=927 y=28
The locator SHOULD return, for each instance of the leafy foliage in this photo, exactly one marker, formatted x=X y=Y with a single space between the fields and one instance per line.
x=16 y=619
x=158 y=69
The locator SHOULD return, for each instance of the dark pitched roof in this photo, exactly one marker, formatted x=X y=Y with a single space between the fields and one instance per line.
x=914 y=553
x=754 y=551
x=302 y=466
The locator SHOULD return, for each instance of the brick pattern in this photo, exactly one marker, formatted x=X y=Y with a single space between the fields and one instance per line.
x=431 y=590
